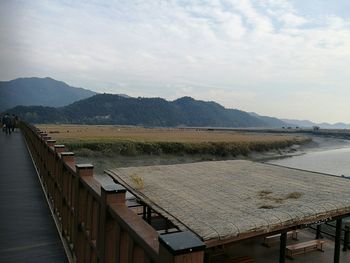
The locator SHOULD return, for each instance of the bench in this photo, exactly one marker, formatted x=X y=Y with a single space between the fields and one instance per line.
x=301 y=248
x=275 y=238
x=243 y=259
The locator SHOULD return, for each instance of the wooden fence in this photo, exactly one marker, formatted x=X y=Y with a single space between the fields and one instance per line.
x=94 y=221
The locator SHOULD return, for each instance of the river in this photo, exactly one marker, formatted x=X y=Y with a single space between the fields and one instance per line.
x=325 y=155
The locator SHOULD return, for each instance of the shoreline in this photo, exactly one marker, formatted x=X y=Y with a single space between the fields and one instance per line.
x=317 y=144
x=106 y=161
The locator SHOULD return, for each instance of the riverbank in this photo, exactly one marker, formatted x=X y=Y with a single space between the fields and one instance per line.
x=114 y=146
x=103 y=161
x=323 y=155
x=108 y=141
x=315 y=144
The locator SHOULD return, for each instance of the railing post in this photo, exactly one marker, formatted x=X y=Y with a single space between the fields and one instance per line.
x=42 y=133
x=63 y=189
x=68 y=157
x=82 y=170
x=109 y=232
x=46 y=138
x=59 y=148
x=51 y=143
x=181 y=247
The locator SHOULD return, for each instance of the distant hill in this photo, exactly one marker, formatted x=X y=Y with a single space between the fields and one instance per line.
x=271 y=121
x=300 y=123
x=39 y=91
x=324 y=125
x=115 y=109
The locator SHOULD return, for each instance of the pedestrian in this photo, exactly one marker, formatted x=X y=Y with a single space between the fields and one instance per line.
x=16 y=121
x=3 y=126
x=13 y=122
x=7 y=121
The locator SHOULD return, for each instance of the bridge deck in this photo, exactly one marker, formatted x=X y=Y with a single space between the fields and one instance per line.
x=27 y=229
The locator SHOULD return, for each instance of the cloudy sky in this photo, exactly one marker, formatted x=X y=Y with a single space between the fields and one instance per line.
x=280 y=58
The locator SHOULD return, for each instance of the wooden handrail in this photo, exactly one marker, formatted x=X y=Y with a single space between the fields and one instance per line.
x=94 y=220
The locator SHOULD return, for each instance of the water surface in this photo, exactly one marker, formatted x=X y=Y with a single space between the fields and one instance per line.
x=331 y=156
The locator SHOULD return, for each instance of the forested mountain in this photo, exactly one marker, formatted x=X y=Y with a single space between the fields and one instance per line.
x=39 y=91
x=115 y=109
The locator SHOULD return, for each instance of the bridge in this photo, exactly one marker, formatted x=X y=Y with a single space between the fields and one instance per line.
x=56 y=211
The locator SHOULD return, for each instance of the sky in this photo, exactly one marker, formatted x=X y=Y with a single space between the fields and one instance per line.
x=287 y=59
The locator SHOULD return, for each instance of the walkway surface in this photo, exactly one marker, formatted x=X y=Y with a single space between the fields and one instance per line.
x=27 y=229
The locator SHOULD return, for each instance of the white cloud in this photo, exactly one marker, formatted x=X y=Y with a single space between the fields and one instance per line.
x=239 y=52
x=292 y=20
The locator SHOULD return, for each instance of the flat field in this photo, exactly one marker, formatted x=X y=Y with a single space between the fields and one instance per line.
x=131 y=141
x=107 y=133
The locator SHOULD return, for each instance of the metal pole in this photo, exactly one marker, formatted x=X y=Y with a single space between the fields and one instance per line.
x=337 y=241
x=346 y=238
x=318 y=232
x=283 y=243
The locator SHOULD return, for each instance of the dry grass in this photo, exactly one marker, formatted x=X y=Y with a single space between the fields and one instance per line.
x=269 y=196
x=106 y=140
x=109 y=133
x=294 y=195
x=138 y=181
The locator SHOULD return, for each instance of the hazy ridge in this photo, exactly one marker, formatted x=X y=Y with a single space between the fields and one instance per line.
x=39 y=91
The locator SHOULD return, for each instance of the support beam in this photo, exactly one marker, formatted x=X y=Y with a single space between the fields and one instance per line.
x=337 y=241
x=144 y=207
x=346 y=238
x=149 y=215
x=283 y=243
x=318 y=231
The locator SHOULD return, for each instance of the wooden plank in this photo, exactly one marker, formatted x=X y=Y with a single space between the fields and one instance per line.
x=242 y=259
x=269 y=240
x=301 y=248
x=142 y=233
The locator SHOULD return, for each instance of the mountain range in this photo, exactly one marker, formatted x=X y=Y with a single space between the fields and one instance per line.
x=45 y=100
x=39 y=91
x=155 y=112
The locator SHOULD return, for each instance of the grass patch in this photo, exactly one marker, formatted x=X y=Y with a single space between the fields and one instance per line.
x=269 y=196
x=267 y=207
x=134 y=148
x=138 y=181
x=294 y=195
x=107 y=140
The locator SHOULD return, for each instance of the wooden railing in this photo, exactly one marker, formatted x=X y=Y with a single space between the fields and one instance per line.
x=94 y=221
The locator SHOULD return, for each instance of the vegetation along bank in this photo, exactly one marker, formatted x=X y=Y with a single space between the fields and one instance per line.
x=97 y=140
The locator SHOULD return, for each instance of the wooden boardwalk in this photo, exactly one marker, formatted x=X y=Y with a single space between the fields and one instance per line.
x=27 y=229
